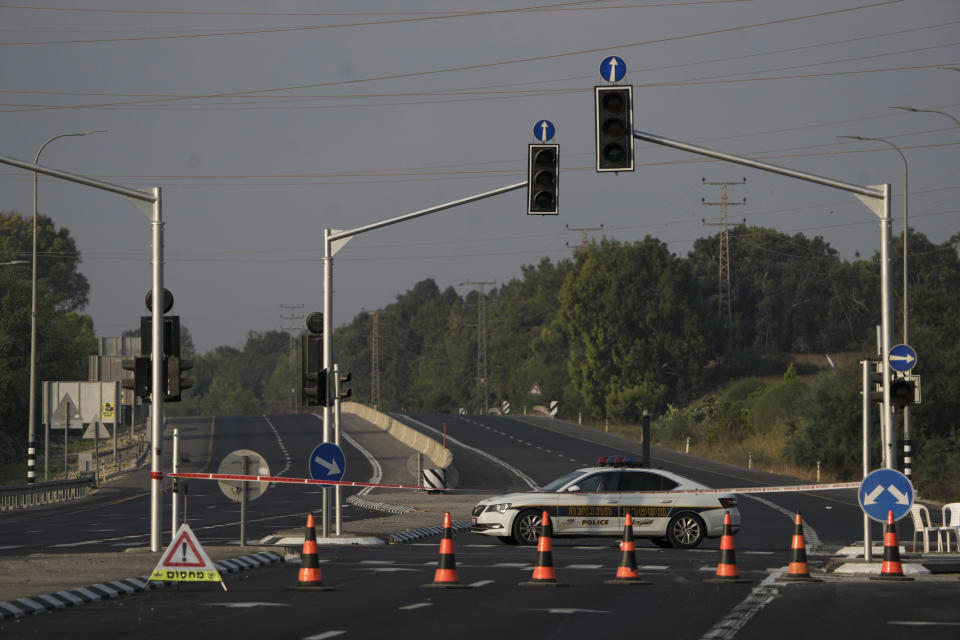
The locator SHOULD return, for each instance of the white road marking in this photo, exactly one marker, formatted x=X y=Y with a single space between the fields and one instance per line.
x=480 y=583
x=416 y=605
x=325 y=634
x=246 y=605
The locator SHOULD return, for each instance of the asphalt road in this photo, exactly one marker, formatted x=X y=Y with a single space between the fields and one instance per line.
x=377 y=590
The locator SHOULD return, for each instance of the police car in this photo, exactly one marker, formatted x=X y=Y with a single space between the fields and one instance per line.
x=594 y=502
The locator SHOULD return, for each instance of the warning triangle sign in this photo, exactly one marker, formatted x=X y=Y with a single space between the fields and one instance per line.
x=185 y=560
x=535 y=390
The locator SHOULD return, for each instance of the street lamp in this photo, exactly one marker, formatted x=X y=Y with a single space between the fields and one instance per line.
x=907 y=462
x=32 y=430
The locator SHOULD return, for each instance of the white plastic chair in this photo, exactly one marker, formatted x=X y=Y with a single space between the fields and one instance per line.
x=951 y=523
x=922 y=525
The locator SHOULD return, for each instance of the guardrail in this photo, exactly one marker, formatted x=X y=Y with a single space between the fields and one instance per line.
x=25 y=496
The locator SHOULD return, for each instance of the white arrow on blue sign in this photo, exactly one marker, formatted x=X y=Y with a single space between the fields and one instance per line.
x=544 y=131
x=902 y=358
x=613 y=69
x=327 y=462
x=883 y=491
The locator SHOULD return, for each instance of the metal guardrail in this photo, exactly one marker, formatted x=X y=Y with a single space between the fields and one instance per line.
x=25 y=496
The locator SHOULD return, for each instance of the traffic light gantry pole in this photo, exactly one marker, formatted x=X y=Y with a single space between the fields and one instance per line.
x=877 y=199
x=333 y=241
x=150 y=203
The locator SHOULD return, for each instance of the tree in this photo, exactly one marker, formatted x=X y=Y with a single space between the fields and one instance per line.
x=64 y=337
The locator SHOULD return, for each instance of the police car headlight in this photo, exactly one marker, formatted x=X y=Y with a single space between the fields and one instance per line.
x=499 y=508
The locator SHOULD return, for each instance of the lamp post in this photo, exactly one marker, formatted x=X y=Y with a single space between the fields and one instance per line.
x=907 y=458
x=943 y=113
x=32 y=420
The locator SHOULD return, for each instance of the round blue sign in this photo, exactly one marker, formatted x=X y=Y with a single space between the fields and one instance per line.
x=613 y=69
x=902 y=358
x=327 y=462
x=884 y=491
x=544 y=131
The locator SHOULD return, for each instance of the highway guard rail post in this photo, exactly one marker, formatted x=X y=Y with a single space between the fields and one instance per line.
x=25 y=496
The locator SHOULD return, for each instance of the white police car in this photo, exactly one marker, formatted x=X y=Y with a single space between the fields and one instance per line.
x=594 y=502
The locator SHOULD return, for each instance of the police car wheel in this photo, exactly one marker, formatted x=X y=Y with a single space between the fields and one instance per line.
x=685 y=531
x=526 y=527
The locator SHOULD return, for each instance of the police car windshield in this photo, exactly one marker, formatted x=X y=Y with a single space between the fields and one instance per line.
x=562 y=480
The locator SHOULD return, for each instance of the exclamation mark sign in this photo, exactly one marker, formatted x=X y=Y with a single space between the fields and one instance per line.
x=183 y=549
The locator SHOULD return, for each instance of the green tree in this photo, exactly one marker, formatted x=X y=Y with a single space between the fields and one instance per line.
x=64 y=337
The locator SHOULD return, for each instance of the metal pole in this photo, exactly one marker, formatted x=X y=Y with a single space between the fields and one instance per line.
x=32 y=419
x=336 y=440
x=886 y=300
x=245 y=469
x=175 y=491
x=327 y=356
x=865 y=406
x=156 y=361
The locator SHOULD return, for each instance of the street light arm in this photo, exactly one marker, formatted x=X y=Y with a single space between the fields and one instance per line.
x=943 y=113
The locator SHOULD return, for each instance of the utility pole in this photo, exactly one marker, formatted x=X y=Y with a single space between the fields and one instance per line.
x=584 y=239
x=482 y=405
x=724 y=289
x=375 y=364
x=290 y=328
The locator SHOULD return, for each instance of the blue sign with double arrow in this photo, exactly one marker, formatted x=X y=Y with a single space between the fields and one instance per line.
x=327 y=462
x=902 y=358
x=613 y=69
x=544 y=131
x=884 y=491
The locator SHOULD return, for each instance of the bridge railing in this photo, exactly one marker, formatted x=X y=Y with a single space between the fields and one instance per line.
x=25 y=496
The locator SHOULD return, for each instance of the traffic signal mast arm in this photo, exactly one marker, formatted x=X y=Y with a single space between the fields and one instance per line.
x=877 y=199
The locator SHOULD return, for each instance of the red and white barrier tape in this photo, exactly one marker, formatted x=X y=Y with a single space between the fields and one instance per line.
x=343 y=483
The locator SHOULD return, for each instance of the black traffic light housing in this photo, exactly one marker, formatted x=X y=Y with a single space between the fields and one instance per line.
x=313 y=377
x=543 y=164
x=344 y=392
x=876 y=381
x=142 y=381
x=614 y=128
x=176 y=383
x=902 y=392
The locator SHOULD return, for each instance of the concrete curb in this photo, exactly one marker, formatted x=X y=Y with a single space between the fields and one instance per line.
x=116 y=588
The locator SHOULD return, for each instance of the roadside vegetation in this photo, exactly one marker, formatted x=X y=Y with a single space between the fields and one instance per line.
x=615 y=330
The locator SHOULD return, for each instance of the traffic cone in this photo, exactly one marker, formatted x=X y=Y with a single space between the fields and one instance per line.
x=627 y=571
x=891 y=569
x=310 y=577
x=727 y=568
x=543 y=574
x=445 y=576
x=798 y=570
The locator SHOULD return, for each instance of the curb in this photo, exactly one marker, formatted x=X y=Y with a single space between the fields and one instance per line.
x=105 y=591
x=425 y=532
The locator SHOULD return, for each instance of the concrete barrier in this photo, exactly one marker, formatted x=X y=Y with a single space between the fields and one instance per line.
x=439 y=457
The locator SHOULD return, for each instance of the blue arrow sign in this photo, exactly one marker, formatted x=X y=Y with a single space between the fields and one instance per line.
x=902 y=358
x=883 y=491
x=544 y=131
x=327 y=462
x=613 y=69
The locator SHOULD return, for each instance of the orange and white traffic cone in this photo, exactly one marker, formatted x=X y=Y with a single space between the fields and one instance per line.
x=543 y=573
x=727 y=567
x=891 y=569
x=627 y=571
x=798 y=569
x=310 y=577
x=445 y=577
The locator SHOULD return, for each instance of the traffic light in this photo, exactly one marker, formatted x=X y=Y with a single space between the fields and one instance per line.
x=142 y=381
x=902 y=392
x=344 y=393
x=171 y=335
x=614 y=128
x=313 y=377
x=543 y=165
x=876 y=380
x=176 y=383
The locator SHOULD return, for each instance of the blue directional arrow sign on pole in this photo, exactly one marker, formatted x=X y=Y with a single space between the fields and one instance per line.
x=886 y=490
x=902 y=358
x=544 y=131
x=327 y=462
x=613 y=69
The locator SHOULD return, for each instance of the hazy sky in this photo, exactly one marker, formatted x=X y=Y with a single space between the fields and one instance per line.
x=266 y=122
